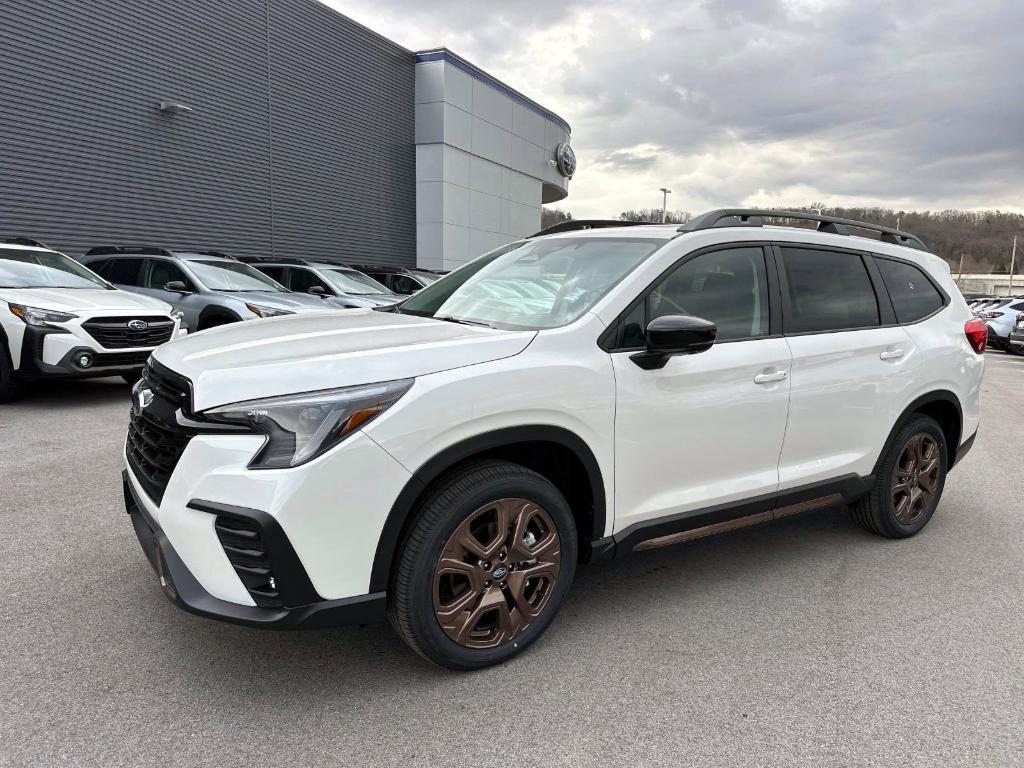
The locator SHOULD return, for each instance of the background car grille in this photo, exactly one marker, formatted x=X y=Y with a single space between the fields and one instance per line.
x=119 y=359
x=114 y=333
x=243 y=544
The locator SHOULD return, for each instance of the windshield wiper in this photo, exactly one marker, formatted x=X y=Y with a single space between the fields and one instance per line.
x=462 y=321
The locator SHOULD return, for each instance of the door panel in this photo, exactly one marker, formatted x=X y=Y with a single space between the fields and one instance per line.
x=847 y=391
x=700 y=431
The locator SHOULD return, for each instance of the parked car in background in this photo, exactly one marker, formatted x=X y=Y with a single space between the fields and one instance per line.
x=209 y=288
x=448 y=461
x=59 y=319
x=336 y=284
x=401 y=280
x=1000 y=315
x=1016 y=341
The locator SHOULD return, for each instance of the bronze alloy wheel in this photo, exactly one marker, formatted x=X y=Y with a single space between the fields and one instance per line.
x=496 y=573
x=915 y=477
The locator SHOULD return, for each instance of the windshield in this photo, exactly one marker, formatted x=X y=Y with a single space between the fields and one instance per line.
x=233 y=276
x=44 y=269
x=425 y=277
x=532 y=284
x=355 y=283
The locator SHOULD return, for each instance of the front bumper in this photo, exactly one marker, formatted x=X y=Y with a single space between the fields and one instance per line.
x=182 y=588
x=64 y=349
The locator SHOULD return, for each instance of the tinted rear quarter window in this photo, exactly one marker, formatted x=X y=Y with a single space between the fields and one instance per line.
x=828 y=291
x=124 y=271
x=913 y=295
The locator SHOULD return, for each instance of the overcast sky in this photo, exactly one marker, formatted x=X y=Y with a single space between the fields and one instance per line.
x=910 y=104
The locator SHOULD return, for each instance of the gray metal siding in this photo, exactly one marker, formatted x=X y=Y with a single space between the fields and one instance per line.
x=303 y=144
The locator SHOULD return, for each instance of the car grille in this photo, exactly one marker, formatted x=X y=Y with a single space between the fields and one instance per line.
x=167 y=384
x=243 y=544
x=120 y=359
x=155 y=439
x=114 y=333
x=153 y=450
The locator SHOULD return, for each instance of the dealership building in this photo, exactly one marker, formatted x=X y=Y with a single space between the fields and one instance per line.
x=262 y=127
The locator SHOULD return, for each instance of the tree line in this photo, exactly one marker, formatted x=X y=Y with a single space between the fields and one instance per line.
x=983 y=238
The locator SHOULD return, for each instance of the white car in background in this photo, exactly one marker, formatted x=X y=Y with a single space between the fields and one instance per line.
x=58 y=319
x=580 y=394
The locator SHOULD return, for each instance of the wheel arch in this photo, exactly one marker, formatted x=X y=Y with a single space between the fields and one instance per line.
x=215 y=310
x=943 y=406
x=559 y=454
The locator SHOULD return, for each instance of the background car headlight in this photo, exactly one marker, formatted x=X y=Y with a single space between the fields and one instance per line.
x=260 y=311
x=36 y=316
x=301 y=427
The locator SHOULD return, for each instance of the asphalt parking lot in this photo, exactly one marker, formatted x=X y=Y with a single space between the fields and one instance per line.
x=809 y=642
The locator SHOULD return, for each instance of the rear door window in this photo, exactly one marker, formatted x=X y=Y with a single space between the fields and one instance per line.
x=275 y=273
x=828 y=291
x=913 y=295
x=125 y=272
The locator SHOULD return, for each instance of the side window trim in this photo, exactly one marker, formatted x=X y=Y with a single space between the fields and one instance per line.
x=787 y=304
x=611 y=340
x=945 y=296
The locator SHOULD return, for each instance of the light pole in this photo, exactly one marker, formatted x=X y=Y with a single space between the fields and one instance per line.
x=665 y=192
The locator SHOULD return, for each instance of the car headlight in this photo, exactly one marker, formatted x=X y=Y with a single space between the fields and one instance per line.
x=260 y=311
x=301 y=427
x=36 y=316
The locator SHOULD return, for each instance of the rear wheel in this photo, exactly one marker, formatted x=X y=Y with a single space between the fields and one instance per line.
x=10 y=388
x=909 y=481
x=485 y=567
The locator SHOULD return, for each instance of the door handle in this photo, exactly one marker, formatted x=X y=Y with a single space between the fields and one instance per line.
x=768 y=378
x=892 y=354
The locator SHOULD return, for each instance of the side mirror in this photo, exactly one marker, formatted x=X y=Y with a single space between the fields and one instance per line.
x=176 y=286
x=317 y=290
x=675 y=335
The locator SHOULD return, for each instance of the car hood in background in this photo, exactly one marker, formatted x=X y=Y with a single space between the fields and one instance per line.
x=350 y=300
x=84 y=300
x=304 y=353
x=292 y=302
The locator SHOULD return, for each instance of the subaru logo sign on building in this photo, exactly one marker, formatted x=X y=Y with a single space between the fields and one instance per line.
x=565 y=158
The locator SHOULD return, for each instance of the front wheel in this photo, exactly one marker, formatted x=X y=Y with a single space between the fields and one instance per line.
x=909 y=481
x=10 y=388
x=485 y=567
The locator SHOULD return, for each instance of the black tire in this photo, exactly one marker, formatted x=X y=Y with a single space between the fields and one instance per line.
x=877 y=510
x=131 y=379
x=215 y=321
x=10 y=388
x=455 y=500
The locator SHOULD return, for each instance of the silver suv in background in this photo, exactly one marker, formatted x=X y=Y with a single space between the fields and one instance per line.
x=209 y=288
x=1000 y=315
x=336 y=284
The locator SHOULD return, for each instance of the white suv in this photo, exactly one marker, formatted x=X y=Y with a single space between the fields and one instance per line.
x=569 y=397
x=61 y=320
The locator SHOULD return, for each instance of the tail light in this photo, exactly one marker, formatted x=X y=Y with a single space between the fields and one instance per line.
x=977 y=335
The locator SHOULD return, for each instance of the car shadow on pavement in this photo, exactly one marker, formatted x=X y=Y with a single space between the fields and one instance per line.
x=633 y=589
x=71 y=392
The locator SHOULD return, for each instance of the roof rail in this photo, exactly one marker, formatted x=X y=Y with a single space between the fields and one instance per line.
x=143 y=250
x=26 y=241
x=574 y=225
x=273 y=260
x=218 y=254
x=753 y=217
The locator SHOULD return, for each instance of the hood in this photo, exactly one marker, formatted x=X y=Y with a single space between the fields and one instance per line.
x=293 y=302
x=83 y=300
x=304 y=353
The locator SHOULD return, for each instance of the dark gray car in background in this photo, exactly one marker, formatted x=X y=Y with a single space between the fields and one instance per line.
x=335 y=284
x=208 y=287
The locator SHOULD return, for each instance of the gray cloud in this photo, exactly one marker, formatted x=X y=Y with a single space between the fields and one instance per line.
x=914 y=103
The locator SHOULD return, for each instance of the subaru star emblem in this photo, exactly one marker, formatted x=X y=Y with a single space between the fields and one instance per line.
x=565 y=159
x=141 y=399
x=138 y=325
